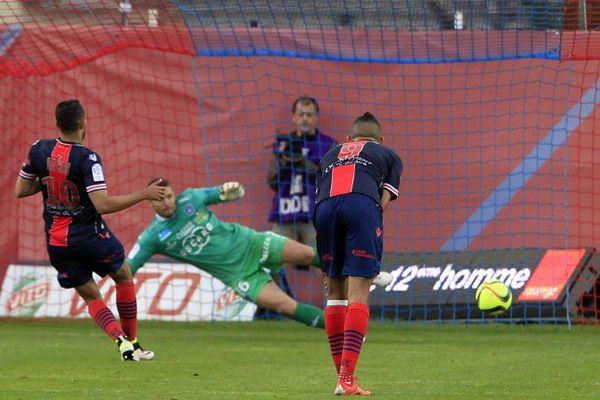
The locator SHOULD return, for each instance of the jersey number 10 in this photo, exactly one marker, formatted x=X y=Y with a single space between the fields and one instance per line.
x=63 y=192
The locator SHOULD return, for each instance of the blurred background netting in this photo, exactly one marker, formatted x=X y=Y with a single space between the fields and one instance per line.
x=490 y=104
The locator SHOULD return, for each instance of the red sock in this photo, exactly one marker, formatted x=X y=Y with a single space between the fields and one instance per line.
x=335 y=315
x=355 y=329
x=105 y=319
x=127 y=306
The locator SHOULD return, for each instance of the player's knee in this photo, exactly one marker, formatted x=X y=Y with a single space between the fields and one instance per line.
x=278 y=308
x=123 y=275
x=307 y=255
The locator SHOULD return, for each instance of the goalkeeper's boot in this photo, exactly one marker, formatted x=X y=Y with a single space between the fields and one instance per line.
x=141 y=353
x=126 y=349
x=383 y=279
x=350 y=388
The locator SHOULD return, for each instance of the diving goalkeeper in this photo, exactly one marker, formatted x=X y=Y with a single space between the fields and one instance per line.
x=186 y=230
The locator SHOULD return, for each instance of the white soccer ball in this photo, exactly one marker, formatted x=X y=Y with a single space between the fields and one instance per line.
x=383 y=279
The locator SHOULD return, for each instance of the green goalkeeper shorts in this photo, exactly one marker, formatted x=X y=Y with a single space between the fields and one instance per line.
x=265 y=256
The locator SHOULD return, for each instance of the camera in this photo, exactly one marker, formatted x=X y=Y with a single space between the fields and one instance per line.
x=289 y=146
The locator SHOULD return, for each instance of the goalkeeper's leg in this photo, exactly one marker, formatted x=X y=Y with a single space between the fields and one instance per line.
x=297 y=253
x=273 y=298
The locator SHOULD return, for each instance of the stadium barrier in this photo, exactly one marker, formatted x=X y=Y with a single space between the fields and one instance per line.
x=170 y=292
x=552 y=284
x=548 y=284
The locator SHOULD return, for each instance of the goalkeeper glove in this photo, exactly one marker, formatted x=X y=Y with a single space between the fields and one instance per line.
x=231 y=191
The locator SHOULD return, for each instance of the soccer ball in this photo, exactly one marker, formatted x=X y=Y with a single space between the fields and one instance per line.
x=493 y=297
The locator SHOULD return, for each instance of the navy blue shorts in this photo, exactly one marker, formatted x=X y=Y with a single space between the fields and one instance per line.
x=75 y=264
x=349 y=235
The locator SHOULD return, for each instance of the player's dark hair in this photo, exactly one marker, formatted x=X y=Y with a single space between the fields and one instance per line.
x=367 y=117
x=305 y=100
x=163 y=182
x=366 y=126
x=69 y=115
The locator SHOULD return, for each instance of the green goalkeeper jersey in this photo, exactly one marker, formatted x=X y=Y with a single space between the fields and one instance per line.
x=195 y=236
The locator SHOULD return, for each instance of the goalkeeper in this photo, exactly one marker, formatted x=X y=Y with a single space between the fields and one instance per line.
x=186 y=230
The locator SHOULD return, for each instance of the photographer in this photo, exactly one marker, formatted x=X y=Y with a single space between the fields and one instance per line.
x=292 y=176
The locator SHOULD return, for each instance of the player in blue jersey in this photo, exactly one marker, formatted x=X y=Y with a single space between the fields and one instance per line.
x=355 y=183
x=79 y=242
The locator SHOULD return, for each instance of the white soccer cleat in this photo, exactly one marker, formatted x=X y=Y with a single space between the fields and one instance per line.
x=141 y=353
x=144 y=355
x=383 y=279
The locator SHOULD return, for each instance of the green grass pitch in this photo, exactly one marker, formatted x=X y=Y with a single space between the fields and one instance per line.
x=285 y=360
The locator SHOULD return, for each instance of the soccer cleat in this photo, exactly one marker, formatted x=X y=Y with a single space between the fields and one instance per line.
x=345 y=388
x=383 y=279
x=126 y=349
x=141 y=353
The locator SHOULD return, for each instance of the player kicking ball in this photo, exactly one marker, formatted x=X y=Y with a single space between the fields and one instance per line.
x=364 y=175
x=79 y=242
x=186 y=230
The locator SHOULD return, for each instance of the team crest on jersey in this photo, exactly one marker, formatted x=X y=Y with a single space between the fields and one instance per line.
x=93 y=157
x=189 y=209
x=165 y=233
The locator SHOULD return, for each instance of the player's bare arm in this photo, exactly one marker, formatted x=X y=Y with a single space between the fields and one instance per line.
x=231 y=191
x=106 y=204
x=27 y=187
x=386 y=197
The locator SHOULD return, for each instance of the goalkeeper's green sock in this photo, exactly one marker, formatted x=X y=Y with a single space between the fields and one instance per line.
x=309 y=315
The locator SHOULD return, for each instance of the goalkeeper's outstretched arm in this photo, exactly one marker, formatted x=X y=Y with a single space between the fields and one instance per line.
x=230 y=191
x=140 y=253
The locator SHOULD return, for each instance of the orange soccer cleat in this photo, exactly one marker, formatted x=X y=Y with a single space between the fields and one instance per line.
x=346 y=388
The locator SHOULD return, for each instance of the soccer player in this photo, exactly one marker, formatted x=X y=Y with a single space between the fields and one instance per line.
x=186 y=230
x=364 y=175
x=79 y=242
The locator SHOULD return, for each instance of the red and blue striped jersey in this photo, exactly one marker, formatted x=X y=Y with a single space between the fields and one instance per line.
x=365 y=167
x=67 y=172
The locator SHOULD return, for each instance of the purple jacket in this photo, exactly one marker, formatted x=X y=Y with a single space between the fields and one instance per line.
x=295 y=183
